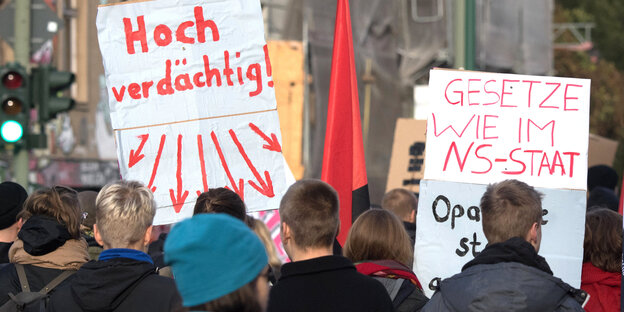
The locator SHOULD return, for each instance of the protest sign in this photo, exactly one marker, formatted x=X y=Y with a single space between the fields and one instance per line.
x=449 y=231
x=487 y=127
x=601 y=150
x=408 y=155
x=192 y=102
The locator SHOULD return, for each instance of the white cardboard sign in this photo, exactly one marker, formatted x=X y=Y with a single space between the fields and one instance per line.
x=488 y=127
x=192 y=102
x=449 y=231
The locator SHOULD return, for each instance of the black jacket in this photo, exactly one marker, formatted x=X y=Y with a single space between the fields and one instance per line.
x=119 y=284
x=410 y=228
x=326 y=284
x=507 y=276
x=37 y=278
x=4 y=252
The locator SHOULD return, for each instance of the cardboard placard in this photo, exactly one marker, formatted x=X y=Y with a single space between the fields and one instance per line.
x=192 y=102
x=408 y=155
x=601 y=150
x=487 y=127
x=449 y=231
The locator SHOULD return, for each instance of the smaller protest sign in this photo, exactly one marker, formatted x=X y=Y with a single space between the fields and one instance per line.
x=449 y=231
x=486 y=127
x=407 y=163
x=601 y=150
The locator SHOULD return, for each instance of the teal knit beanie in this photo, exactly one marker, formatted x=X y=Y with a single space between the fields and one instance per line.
x=212 y=255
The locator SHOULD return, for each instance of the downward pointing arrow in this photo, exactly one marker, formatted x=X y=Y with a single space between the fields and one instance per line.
x=265 y=188
x=136 y=156
x=241 y=183
x=178 y=199
x=273 y=144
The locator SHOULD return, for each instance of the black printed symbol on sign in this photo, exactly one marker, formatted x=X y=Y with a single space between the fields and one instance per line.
x=416 y=152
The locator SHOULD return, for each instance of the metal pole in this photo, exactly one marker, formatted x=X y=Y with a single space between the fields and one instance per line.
x=22 y=56
x=470 y=30
x=459 y=46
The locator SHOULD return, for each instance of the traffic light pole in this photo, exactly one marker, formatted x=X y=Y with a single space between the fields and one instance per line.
x=22 y=56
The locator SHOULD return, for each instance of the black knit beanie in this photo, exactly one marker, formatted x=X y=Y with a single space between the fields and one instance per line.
x=12 y=197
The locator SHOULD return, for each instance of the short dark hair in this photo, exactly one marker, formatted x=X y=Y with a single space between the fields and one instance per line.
x=221 y=200
x=603 y=239
x=401 y=202
x=509 y=209
x=310 y=208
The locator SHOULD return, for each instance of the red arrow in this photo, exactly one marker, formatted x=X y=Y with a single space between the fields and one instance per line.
x=265 y=189
x=178 y=199
x=136 y=156
x=156 y=162
x=202 y=163
x=241 y=182
x=273 y=143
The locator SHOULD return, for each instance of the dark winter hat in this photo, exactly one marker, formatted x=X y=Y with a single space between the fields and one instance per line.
x=212 y=255
x=601 y=175
x=87 y=204
x=12 y=197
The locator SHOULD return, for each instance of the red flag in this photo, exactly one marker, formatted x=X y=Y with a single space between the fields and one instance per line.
x=344 y=166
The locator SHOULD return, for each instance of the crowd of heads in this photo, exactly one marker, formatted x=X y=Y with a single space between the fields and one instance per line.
x=222 y=259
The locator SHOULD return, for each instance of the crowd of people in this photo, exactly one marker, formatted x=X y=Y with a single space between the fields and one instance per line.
x=62 y=250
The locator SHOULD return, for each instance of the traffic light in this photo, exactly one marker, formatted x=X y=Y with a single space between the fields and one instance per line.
x=15 y=105
x=48 y=85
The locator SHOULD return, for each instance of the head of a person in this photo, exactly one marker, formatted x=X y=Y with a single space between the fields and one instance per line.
x=309 y=215
x=603 y=197
x=601 y=175
x=402 y=203
x=378 y=234
x=221 y=200
x=603 y=239
x=124 y=212
x=512 y=208
x=12 y=198
x=87 y=206
x=58 y=204
x=265 y=236
x=219 y=264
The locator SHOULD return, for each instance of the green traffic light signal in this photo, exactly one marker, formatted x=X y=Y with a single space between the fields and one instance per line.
x=14 y=104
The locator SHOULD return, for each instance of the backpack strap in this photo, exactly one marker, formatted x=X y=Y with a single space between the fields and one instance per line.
x=21 y=274
x=56 y=281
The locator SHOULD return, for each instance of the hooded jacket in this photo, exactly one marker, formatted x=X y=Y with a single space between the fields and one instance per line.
x=603 y=288
x=46 y=251
x=507 y=276
x=119 y=284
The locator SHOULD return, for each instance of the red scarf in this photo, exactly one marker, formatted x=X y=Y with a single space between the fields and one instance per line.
x=388 y=269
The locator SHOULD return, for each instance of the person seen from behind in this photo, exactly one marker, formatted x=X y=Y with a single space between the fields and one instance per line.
x=404 y=205
x=380 y=248
x=317 y=280
x=87 y=206
x=124 y=277
x=49 y=245
x=508 y=275
x=12 y=197
x=602 y=259
x=219 y=264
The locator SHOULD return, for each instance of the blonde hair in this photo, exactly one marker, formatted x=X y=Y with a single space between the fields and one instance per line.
x=401 y=202
x=123 y=212
x=58 y=202
x=378 y=234
x=265 y=236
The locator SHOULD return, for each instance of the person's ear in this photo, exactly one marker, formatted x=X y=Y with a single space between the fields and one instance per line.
x=534 y=236
x=412 y=216
x=20 y=223
x=148 y=236
x=285 y=232
x=97 y=235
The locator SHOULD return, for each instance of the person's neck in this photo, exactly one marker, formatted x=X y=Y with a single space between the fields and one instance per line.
x=8 y=235
x=301 y=254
